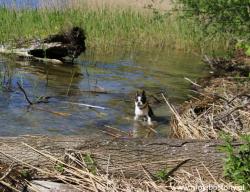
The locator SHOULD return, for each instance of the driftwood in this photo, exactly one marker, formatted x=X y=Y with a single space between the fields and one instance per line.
x=131 y=157
x=70 y=43
x=52 y=49
x=86 y=105
x=23 y=53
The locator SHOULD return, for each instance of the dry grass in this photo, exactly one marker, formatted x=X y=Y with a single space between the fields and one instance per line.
x=76 y=173
x=223 y=106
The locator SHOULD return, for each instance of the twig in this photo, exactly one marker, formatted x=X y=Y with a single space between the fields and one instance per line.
x=112 y=134
x=7 y=172
x=239 y=95
x=177 y=167
x=107 y=171
x=145 y=164
x=208 y=60
x=9 y=186
x=70 y=84
x=150 y=176
x=153 y=130
x=25 y=94
x=53 y=112
x=231 y=111
x=200 y=177
x=209 y=172
x=95 y=91
x=158 y=100
x=113 y=128
x=189 y=80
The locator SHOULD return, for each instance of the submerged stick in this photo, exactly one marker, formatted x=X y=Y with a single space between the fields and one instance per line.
x=38 y=108
x=118 y=130
x=53 y=112
x=85 y=105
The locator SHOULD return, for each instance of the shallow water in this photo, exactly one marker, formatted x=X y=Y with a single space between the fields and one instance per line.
x=115 y=77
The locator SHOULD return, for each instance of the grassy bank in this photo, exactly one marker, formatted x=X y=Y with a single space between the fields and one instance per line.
x=108 y=29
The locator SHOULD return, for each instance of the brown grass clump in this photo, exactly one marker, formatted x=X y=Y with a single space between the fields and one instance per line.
x=223 y=106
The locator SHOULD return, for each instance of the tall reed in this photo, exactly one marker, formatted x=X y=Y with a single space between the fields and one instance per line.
x=109 y=29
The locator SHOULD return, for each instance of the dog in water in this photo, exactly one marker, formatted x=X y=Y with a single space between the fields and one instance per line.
x=142 y=108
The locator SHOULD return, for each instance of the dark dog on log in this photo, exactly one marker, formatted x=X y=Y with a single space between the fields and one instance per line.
x=66 y=44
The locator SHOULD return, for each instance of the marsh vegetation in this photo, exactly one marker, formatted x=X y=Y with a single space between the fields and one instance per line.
x=109 y=28
x=152 y=45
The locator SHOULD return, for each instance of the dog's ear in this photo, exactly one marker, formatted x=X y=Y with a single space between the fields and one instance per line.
x=137 y=94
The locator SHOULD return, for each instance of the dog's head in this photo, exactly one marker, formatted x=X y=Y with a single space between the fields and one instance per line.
x=140 y=99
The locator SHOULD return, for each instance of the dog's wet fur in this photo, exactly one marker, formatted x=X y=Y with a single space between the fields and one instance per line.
x=142 y=107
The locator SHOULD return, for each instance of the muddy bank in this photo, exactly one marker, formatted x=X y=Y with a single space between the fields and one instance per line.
x=222 y=102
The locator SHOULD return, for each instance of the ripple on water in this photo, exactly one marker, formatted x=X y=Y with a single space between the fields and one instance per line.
x=109 y=81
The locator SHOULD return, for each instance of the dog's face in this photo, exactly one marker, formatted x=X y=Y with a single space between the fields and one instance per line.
x=140 y=99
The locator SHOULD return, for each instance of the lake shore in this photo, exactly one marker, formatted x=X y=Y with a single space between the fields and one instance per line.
x=192 y=162
x=108 y=28
x=81 y=163
x=222 y=103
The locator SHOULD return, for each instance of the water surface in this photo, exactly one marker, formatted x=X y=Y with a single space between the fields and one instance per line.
x=109 y=81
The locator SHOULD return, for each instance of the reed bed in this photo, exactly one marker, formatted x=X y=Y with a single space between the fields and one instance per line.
x=222 y=107
x=76 y=175
x=109 y=29
x=112 y=4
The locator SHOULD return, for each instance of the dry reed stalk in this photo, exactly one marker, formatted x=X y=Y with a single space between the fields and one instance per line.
x=223 y=106
x=82 y=179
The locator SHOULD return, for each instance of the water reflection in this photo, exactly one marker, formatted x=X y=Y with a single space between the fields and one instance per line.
x=108 y=81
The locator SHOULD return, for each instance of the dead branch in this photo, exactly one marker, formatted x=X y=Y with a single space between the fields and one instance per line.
x=25 y=94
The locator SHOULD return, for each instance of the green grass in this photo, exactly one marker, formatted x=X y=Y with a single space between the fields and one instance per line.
x=108 y=29
x=237 y=162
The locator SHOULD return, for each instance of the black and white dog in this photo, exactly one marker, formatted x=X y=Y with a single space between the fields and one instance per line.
x=142 y=107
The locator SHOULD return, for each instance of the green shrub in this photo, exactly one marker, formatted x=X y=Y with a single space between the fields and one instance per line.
x=91 y=165
x=227 y=16
x=162 y=174
x=237 y=162
x=245 y=46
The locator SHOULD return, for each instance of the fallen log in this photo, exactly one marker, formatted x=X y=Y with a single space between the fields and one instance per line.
x=69 y=43
x=131 y=157
x=54 y=48
x=24 y=54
